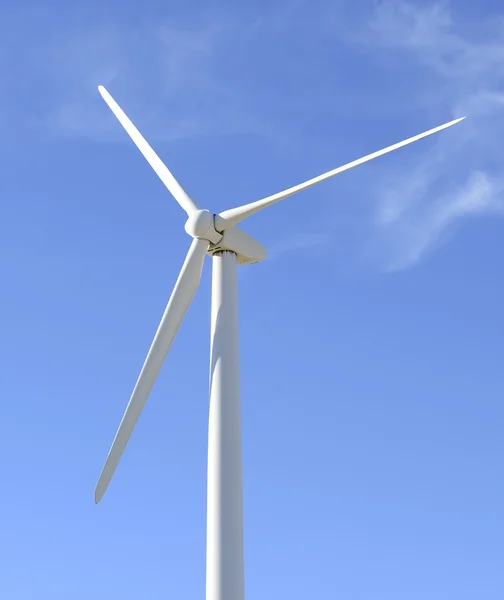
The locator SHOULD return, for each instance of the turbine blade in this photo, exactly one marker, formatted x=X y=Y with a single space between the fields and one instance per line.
x=231 y=217
x=180 y=300
x=177 y=191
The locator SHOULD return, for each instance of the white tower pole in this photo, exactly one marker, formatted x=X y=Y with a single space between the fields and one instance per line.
x=225 y=556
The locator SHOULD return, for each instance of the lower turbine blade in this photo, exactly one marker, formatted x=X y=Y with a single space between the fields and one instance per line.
x=231 y=217
x=180 y=300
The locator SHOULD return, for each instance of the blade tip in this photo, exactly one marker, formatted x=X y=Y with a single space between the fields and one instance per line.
x=451 y=123
x=98 y=494
x=455 y=121
x=102 y=91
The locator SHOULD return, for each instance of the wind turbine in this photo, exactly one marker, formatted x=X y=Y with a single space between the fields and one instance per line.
x=229 y=246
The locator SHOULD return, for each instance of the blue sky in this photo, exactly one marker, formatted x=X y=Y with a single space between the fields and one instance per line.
x=371 y=340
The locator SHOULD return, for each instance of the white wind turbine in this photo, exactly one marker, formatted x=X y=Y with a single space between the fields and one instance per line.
x=229 y=246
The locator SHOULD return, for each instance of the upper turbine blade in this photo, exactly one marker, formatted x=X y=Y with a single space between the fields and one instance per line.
x=231 y=217
x=177 y=191
x=182 y=295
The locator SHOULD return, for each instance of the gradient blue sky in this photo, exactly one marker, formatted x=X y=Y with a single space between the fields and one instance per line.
x=372 y=340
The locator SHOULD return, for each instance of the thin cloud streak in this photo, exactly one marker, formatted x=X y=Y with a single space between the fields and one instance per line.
x=299 y=242
x=460 y=175
x=166 y=73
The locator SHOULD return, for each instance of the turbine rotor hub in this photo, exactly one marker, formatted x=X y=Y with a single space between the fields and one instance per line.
x=200 y=225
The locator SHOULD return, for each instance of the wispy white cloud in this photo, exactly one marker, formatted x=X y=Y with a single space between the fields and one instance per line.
x=417 y=231
x=299 y=242
x=168 y=72
x=461 y=174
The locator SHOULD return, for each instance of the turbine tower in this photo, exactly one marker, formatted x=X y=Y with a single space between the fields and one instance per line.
x=229 y=246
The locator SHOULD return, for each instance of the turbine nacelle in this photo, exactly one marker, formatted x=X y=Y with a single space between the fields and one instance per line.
x=201 y=226
x=247 y=249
